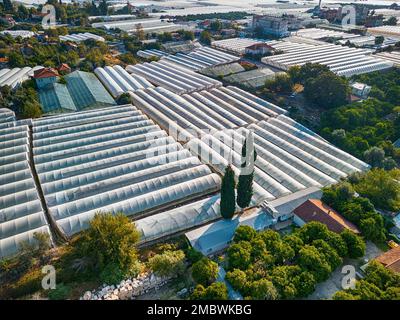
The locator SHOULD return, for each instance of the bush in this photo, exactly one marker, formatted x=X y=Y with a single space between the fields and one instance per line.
x=111 y=274
x=205 y=271
x=110 y=239
x=216 y=291
x=168 y=263
x=61 y=292
x=193 y=255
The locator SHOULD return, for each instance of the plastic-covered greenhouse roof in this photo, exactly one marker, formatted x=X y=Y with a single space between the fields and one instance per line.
x=113 y=159
x=56 y=98
x=87 y=91
x=251 y=79
x=179 y=219
x=83 y=90
x=21 y=212
x=223 y=70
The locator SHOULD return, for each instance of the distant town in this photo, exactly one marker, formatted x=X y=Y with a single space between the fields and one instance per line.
x=189 y=150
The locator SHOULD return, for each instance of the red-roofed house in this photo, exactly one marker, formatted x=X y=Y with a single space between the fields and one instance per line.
x=316 y=210
x=259 y=49
x=391 y=259
x=45 y=76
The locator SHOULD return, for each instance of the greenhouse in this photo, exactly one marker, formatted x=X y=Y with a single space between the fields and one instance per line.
x=342 y=60
x=113 y=160
x=117 y=80
x=79 y=37
x=235 y=45
x=14 y=77
x=21 y=212
x=82 y=90
x=176 y=79
x=178 y=219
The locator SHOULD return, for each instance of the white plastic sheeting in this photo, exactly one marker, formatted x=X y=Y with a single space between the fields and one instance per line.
x=21 y=213
x=113 y=160
x=79 y=37
x=177 y=79
x=14 y=77
x=352 y=61
x=178 y=219
x=117 y=80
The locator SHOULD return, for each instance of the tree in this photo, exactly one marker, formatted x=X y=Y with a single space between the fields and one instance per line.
x=327 y=90
x=392 y=21
x=140 y=32
x=227 y=203
x=169 y=263
x=281 y=83
x=263 y=289
x=216 y=291
x=355 y=244
x=374 y=156
x=103 y=7
x=205 y=37
x=31 y=109
x=216 y=25
x=379 y=40
x=124 y=98
x=109 y=239
x=381 y=187
x=310 y=259
x=239 y=255
x=238 y=279
x=307 y=72
x=16 y=59
x=245 y=183
x=244 y=233
x=205 y=271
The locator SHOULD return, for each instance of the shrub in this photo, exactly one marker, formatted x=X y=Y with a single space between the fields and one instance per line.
x=205 y=271
x=168 y=263
x=61 y=292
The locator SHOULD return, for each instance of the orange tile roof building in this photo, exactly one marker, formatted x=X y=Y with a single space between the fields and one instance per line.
x=316 y=210
x=391 y=259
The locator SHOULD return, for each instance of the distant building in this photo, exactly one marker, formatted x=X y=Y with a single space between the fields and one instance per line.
x=228 y=32
x=259 y=49
x=360 y=90
x=8 y=19
x=391 y=259
x=271 y=25
x=45 y=77
x=316 y=210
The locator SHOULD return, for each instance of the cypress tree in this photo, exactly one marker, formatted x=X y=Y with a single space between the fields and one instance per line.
x=228 y=193
x=245 y=183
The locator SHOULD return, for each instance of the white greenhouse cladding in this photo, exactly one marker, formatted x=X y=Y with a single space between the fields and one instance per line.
x=344 y=61
x=177 y=79
x=290 y=157
x=198 y=113
x=235 y=45
x=14 y=77
x=21 y=212
x=113 y=160
x=79 y=37
x=199 y=59
x=118 y=81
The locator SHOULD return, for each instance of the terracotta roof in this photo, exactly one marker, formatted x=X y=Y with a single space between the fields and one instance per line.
x=391 y=259
x=64 y=67
x=5 y=59
x=45 y=73
x=316 y=210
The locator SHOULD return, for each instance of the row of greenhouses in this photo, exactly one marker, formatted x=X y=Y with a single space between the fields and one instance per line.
x=176 y=79
x=21 y=211
x=14 y=77
x=113 y=159
x=118 y=81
